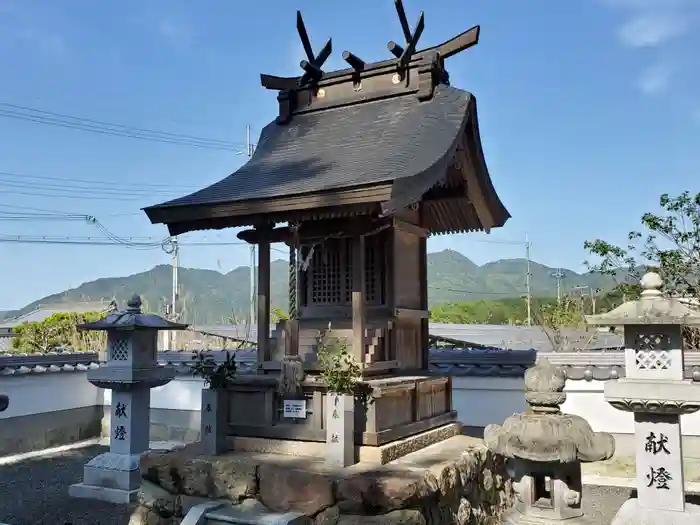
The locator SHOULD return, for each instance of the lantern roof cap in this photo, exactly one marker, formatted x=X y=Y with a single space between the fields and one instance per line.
x=132 y=318
x=652 y=308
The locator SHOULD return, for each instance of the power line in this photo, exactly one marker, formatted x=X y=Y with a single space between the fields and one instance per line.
x=86 y=190
x=50 y=118
x=63 y=196
x=98 y=183
x=48 y=214
x=121 y=126
x=108 y=241
x=114 y=240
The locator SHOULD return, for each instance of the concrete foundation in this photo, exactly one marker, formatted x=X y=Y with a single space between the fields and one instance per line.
x=379 y=455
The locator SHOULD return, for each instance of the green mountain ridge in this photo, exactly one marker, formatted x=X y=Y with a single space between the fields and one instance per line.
x=210 y=297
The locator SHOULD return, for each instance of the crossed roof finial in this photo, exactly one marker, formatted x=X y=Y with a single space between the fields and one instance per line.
x=404 y=53
x=313 y=63
x=312 y=66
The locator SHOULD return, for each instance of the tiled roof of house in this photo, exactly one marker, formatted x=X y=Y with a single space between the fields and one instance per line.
x=44 y=311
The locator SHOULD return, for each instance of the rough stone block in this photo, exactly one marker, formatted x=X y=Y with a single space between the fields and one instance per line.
x=283 y=489
x=158 y=499
x=329 y=516
x=182 y=472
x=396 y=517
x=384 y=491
x=456 y=482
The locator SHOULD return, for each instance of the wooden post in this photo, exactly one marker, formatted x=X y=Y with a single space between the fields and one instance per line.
x=263 y=300
x=358 y=298
x=424 y=323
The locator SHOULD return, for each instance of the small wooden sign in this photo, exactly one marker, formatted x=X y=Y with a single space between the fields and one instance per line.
x=294 y=408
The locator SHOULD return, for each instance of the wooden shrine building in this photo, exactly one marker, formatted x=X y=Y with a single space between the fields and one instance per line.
x=360 y=166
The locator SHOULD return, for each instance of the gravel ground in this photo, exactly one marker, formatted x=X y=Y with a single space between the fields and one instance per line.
x=35 y=492
x=601 y=503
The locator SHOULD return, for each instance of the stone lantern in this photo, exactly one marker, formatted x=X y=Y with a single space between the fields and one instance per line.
x=545 y=448
x=654 y=389
x=130 y=371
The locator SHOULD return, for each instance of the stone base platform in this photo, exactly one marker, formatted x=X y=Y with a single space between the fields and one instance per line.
x=632 y=514
x=513 y=517
x=455 y=481
x=109 y=477
x=81 y=490
x=364 y=454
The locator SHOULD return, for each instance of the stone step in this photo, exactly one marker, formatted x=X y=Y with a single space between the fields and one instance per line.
x=249 y=512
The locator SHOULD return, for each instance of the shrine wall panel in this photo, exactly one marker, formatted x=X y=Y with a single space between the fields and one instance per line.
x=407 y=270
x=407 y=343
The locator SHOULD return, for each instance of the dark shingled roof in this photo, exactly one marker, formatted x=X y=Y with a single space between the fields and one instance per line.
x=399 y=140
x=383 y=141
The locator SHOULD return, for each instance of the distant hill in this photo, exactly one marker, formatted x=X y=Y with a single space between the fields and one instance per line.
x=208 y=296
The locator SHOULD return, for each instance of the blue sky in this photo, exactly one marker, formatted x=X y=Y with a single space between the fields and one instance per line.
x=588 y=110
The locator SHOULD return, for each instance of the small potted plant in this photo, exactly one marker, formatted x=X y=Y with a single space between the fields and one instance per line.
x=215 y=398
x=341 y=374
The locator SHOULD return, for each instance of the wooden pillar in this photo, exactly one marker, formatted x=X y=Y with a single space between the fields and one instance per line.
x=358 y=298
x=424 y=323
x=263 y=299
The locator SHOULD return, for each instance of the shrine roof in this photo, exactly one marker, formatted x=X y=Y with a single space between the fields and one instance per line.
x=383 y=141
x=368 y=140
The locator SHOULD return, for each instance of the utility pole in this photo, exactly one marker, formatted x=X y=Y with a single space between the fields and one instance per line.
x=528 y=275
x=176 y=292
x=558 y=275
x=594 y=297
x=253 y=294
x=581 y=289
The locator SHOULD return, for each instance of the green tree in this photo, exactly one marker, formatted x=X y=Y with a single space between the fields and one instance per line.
x=59 y=331
x=277 y=315
x=670 y=245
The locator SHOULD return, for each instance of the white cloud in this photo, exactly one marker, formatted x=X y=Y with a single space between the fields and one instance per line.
x=656 y=79
x=650 y=23
x=651 y=29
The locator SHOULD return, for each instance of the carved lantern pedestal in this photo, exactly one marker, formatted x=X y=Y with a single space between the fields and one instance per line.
x=545 y=448
x=130 y=372
x=654 y=389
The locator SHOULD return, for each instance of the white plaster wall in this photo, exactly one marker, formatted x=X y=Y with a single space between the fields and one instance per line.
x=479 y=401
x=48 y=392
x=182 y=393
x=483 y=401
